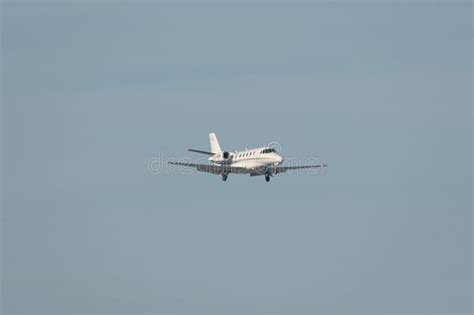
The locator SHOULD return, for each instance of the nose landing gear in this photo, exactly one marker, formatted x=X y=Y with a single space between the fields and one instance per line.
x=267 y=177
x=224 y=177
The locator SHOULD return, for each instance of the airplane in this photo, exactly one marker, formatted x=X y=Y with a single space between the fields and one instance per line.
x=256 y=162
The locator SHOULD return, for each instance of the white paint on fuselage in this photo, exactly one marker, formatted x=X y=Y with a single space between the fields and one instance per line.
x=255 y=159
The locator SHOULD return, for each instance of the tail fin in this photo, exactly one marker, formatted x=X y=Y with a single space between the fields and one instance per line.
x=215 y=147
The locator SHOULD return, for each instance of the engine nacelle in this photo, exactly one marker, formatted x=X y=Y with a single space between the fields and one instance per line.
x=221 y=157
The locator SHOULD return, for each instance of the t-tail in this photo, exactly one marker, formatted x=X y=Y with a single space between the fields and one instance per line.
x=215 y=147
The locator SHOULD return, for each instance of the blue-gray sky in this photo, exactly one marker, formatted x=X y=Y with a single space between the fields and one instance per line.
x=381 y=91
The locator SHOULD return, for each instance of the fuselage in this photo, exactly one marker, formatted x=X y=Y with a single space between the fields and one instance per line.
x=250 y=159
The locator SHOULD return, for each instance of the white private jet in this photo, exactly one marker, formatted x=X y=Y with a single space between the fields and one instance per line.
x=261 y=161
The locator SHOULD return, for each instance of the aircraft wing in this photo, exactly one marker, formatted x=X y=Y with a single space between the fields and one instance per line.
x=282 y=169
x=214 y=169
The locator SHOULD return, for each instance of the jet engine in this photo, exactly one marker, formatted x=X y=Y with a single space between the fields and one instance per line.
x=222 y=157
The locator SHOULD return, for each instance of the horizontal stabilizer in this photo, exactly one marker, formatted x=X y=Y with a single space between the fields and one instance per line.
x=202 y=152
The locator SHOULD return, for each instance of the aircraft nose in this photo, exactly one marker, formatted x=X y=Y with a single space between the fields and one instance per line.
x=280 y=159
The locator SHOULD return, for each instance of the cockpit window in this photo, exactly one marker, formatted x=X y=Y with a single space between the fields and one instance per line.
x=265 y=151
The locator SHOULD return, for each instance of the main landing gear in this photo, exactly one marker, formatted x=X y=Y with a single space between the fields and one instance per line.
x=267 y=177
x=224 y=177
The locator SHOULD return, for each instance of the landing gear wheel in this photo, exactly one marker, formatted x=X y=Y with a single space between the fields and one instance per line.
x=224 y=177
x=267 y=177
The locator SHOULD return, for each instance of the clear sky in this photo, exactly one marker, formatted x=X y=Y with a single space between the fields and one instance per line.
x=379 y=90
